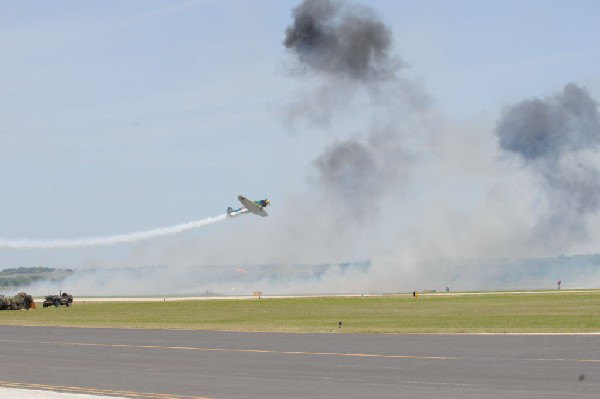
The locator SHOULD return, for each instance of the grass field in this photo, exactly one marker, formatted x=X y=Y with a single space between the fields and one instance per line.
x=565 y=311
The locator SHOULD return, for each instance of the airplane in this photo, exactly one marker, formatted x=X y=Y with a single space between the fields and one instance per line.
x=255 y=207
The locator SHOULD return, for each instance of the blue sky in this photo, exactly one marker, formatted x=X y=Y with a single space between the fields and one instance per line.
x=123 y=116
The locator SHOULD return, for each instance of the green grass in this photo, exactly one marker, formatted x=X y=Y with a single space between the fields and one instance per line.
x=540 y=312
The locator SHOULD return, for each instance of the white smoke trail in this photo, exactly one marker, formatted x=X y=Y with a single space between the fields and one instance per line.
x=26 y=243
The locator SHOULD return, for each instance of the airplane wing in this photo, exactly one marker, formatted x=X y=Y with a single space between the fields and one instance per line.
x=252 y=206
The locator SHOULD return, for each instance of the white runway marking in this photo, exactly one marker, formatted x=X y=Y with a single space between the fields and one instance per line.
x=22 y=390
x=12 y=393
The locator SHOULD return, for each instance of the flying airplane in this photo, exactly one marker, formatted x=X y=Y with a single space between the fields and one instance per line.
x=255 y=207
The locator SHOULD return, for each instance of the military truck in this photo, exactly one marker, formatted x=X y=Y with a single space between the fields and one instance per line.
x=20 y=301
x=56 y=300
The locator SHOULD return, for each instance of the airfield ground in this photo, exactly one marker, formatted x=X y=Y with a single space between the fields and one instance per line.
x=153 y=347
x=160 y=364
x=565 y=311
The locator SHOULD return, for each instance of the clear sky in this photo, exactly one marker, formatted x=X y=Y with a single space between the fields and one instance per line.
x=119 y=116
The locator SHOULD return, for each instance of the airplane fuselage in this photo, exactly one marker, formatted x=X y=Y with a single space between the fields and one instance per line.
x=256 y=207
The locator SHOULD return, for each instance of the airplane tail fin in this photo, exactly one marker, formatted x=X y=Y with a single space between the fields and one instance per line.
x=229 y=210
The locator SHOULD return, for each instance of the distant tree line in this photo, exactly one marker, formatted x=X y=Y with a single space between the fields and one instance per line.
x=32 y=270
x=24 y=276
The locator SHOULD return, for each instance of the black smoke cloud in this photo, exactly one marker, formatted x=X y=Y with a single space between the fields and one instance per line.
x=558 y=138
x=340 y=39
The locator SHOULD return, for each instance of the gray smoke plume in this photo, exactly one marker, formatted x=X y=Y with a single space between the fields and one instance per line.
x=563 y=122
x=348 y=49
x=340 y=39
x=359 y=172
x=558 y=138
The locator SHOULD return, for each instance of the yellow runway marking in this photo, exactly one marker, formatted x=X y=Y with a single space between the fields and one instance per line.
x=95 y=391
x=266 y=351
x=275 y=352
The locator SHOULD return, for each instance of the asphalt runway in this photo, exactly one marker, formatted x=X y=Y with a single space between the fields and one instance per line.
x=208 y=364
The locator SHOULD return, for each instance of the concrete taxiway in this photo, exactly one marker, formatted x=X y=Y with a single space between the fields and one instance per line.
x=207 y=364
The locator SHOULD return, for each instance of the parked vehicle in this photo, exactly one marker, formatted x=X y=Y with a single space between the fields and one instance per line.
x=58 y=300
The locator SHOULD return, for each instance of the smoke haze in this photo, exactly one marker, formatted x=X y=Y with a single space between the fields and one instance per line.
x=396 y=144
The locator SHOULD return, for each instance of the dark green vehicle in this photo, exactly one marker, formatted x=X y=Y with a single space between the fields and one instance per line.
x=58 y=300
